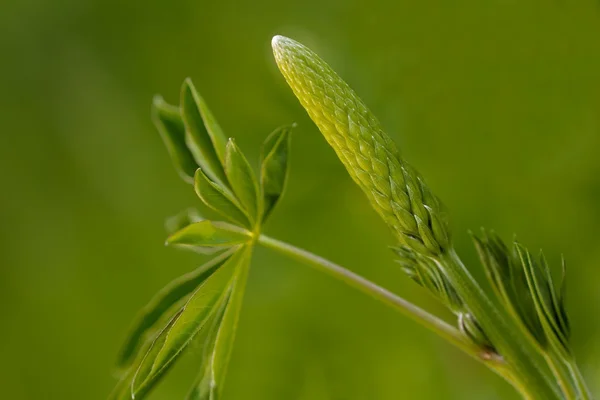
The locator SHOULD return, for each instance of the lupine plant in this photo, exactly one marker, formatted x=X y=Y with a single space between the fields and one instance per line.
x=523 y=336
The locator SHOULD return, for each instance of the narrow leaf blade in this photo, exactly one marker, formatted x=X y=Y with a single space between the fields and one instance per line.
x=163 y=301
x=198 y=310
x=215 y=197
x=209 y=234
x=274 y=167
x=205 y=140
x=241 y=178
x=169 y=124
x=210 y=383
x=181 y=220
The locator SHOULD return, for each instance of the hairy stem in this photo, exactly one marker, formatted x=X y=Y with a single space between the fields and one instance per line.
x=429 y=321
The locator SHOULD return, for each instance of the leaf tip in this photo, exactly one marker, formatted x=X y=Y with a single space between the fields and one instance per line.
x=157 y=100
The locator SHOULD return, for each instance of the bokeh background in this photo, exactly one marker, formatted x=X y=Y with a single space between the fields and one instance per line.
x=497 y=102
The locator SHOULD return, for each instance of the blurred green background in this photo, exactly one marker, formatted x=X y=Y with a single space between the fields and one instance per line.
x=497 y=103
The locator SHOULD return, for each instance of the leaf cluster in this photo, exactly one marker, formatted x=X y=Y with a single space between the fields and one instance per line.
x=525 y=287
x=203 y=306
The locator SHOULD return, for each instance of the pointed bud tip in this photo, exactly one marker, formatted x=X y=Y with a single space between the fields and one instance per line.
x=277 y=40
x=282 y=44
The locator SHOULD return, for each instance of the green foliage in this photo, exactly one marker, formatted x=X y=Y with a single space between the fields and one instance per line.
x=204 y=304
x=221 y=338
x=163 y=301
x=549 y=302
x=194 y=316
x=525 y=287
x=506 y=274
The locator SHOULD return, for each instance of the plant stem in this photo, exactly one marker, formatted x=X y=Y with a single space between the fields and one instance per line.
x=519 y=353
x=584 y=392
x=564 y=381
x=429 y=321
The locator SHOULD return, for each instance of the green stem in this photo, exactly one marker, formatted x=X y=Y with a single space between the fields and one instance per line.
x=584 y=392
x=429 y=321
x=564 y=380
x=519 y=353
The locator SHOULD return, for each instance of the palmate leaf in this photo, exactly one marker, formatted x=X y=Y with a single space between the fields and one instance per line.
x=204 y=137
x=219 y=199
x=242 y=179
x=169 y=124
x=221 y=338
x=274 y=167
x=194 y=316
x=163 y=301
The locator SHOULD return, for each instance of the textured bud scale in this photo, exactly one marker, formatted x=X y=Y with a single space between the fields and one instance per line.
x=395 y=190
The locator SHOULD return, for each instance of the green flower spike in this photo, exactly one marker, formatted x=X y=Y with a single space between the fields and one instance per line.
x=403 y=199
x=396 y=191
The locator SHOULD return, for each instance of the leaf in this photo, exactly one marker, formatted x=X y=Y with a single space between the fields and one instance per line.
x=550 y=304
x=215 y=197
x=469 y=326
x=202 y=388
x=541 y=291
x=241 y=178
x=221 y=339
x=429 y=273
x=560 y=300
x=163 y=301
x=274 y=167
x=209 y=234
x=169 y=124
x=181 y=220
x=121 y=390
x=204 y=137
x=194 y=316
x=505 y=273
